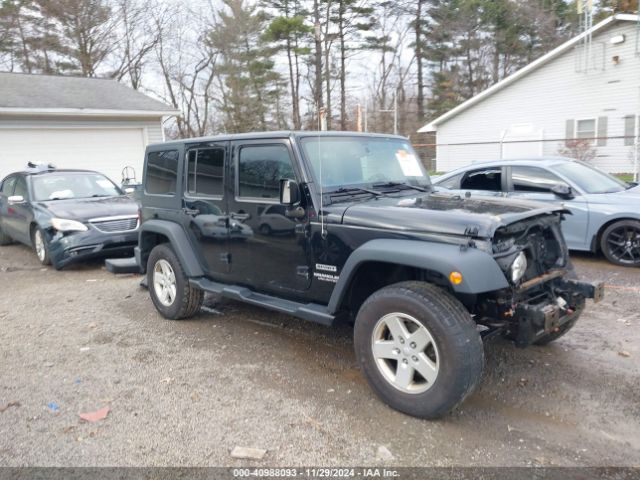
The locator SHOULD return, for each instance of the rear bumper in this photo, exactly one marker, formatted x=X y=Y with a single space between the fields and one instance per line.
x=559 y=302
x=67 y=249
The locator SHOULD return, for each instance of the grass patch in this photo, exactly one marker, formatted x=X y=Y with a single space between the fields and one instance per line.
x=625 y=177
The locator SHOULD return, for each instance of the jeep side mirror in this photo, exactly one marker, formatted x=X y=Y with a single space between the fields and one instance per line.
x=15 y=199
x=289 y=192
x=563 y=190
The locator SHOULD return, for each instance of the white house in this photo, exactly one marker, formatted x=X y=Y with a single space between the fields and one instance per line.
x=582 y=89
x=75 y=122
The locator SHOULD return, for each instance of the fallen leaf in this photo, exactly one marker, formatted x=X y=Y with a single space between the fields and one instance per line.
x=95 y=416
x=624 y=353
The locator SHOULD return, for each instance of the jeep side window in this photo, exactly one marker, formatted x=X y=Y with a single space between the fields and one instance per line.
x=162 y=173
x=484 y=179
x=533 y=179
x=260 y=169
x=205 y=171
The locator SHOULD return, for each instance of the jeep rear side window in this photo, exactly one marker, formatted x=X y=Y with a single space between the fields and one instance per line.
x=485 y=179
x=205 y=172
x=260 y=169
x=162 y=173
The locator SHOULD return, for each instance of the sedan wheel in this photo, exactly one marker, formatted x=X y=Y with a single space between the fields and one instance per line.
x=621 y=243
x=40 y=247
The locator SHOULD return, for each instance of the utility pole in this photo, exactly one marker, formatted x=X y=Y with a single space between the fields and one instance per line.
x=318 y=58
x=636 y=144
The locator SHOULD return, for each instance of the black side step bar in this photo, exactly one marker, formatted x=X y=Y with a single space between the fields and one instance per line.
x=122 y=265
x=306 y=311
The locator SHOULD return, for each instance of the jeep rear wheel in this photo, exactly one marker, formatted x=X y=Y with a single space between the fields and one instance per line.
x=418 y=348
x=169 y=286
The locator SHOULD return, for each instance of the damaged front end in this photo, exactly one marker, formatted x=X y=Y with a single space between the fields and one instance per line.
x=542 y=298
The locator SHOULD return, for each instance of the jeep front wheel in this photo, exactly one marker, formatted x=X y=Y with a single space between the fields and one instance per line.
x=418 y=348
x=169 y=286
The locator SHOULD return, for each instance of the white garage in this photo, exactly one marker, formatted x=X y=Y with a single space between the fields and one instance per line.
x=76 y=122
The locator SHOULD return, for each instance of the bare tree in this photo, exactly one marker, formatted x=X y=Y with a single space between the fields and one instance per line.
x=138 y=37
x=187 y=65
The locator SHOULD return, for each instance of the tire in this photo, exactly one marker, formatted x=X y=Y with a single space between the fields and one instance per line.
x=562 y=330
x=620 y=243
x=40 y=245
x=454 y=347
x=265 y=230
x=177 y=300
x=4 y=238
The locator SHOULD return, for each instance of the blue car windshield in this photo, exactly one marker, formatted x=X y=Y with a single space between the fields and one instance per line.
x=365 y=161
x=66 y=185
x=589 y=179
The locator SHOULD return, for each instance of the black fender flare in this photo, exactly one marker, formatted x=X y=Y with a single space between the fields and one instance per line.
x=480 y=272
x=179 y=242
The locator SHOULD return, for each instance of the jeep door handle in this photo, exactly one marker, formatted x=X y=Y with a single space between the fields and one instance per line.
x=240 y=216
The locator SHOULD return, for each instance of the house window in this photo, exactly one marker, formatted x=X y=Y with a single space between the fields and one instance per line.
x=587 y=129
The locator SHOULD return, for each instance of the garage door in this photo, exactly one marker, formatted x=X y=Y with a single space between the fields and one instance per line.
x=105 y=150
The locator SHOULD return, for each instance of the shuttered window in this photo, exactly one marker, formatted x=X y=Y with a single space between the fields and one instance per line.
x=602 y=131
x=586 y=129
x=569 y=132
x=629 y=130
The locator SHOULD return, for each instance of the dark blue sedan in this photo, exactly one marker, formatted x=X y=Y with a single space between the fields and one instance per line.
x=66 y=215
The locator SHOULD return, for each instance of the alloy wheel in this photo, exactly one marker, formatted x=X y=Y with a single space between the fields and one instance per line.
x=405 y=353
x=624 y=244
x=164 y=282
x=41 y=251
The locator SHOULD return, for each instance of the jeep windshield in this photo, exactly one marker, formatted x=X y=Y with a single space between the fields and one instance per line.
x=364 y=163
x=67 y=185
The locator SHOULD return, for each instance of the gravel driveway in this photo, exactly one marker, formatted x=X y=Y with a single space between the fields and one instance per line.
x=186 y=393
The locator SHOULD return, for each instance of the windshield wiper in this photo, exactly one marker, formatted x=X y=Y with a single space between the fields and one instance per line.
x=355 y=190
x=401 y=185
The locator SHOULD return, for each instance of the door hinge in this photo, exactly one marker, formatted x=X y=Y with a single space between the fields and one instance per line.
x=225 y=257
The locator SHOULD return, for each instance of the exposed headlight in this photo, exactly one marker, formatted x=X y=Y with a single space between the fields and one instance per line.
x=64 y=225
x=518 y=267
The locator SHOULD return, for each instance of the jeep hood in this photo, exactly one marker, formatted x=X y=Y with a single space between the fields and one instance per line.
x=444 y=213
x=83 y=209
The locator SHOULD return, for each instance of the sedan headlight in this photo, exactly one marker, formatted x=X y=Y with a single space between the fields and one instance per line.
x=65 y=225
x=518 y=267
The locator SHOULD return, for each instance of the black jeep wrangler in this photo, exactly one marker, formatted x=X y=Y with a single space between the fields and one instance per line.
x=346 y=227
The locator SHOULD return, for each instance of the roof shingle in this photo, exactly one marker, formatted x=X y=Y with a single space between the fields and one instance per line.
x=25 y=91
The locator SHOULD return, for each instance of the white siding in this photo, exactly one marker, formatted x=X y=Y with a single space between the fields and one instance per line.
x=106 y=145
x=546 y=98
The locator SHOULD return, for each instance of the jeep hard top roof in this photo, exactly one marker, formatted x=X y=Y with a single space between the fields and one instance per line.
x=274 y=135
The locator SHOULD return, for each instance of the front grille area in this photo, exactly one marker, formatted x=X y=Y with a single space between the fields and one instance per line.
x=116 y=224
